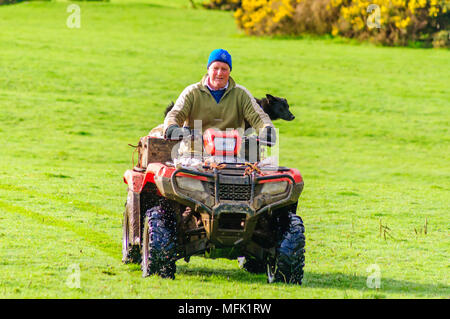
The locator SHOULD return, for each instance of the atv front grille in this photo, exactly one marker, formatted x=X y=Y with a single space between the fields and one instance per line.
x=232 y=221
x=232 y=192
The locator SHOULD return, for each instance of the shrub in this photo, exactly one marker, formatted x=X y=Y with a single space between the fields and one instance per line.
x=16 y=1
x=441 y=39
x=265 y=16
x=9 y=1
x=227 y=5
x=316 y=17
x=401 y=21
x=286 y=17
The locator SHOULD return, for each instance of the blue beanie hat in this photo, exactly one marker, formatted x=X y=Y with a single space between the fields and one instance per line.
x=219 y=55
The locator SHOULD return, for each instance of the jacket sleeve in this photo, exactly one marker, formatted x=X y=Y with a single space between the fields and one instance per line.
x=181 y=110
x=253 y=113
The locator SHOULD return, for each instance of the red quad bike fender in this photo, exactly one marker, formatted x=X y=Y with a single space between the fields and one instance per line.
x=295 y=173
x=136 y=180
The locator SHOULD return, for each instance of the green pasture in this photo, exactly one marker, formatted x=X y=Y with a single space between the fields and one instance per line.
x=371 y=139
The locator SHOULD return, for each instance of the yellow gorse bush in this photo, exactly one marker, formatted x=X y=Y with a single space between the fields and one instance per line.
x=397 y=21
x=264 y=16
x=397 y=11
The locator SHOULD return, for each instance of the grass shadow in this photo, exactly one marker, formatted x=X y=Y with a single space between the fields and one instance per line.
x=234 y=274
x=388 y=285
x=322 y=280
x=157 y=5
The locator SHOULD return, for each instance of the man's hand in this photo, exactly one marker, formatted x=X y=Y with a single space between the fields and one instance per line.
x=174 y=132
x=268 y=135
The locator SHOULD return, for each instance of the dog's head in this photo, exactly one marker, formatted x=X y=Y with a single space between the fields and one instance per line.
x=278 y=108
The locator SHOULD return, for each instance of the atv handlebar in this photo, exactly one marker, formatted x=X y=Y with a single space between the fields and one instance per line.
x=197 y=134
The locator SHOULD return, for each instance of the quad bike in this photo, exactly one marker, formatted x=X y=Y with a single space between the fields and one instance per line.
x=221 y=202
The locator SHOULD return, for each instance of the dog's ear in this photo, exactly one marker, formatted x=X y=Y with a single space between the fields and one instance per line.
x=270 y=97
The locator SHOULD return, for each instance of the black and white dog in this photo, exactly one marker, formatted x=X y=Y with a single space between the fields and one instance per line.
x=276 y=107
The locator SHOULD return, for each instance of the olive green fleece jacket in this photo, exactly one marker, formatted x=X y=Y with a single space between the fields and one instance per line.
x=236 y=105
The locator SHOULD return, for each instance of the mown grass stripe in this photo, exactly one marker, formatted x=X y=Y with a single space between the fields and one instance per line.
x=84 y=206
x=96 y=239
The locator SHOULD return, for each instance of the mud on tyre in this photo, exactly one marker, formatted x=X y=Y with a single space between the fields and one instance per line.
x=159 y=242
x=130 y=253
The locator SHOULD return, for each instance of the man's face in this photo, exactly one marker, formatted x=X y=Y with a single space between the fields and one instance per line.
x=218 y=73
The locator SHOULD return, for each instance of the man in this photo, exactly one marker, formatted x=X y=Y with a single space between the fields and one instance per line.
x=218 y=102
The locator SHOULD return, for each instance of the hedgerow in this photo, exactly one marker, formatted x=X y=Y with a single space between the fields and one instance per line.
x=228 y=5
x=400 y=21
x=390 y=22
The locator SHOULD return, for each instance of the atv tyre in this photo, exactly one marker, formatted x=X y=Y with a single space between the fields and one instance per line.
x=159 y=243
x=130 y=253
x=287 y=266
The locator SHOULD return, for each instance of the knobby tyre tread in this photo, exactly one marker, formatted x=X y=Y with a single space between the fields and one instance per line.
x=161 y=242
x=291 y=253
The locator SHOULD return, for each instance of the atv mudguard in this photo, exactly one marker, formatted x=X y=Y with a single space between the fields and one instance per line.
x=136 y=180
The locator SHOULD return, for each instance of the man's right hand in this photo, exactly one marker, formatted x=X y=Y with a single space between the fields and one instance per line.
x=174 y=132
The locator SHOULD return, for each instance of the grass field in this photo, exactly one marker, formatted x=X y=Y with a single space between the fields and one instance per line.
x=371 y=139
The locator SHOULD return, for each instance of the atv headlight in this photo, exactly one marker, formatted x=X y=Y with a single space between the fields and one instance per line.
x=190 y=184
x=274 y=188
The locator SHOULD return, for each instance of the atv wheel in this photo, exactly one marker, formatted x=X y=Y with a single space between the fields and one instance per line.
x=287 y=266
x=252 y=265
x=159 y=243
x=130 y=253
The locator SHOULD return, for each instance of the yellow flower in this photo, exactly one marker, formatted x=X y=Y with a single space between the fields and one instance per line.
x=334 y=31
